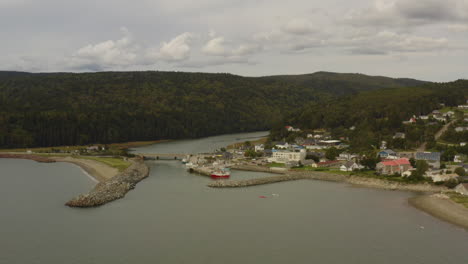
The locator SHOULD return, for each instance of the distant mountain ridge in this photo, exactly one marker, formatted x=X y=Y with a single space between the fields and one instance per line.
x=48 y=109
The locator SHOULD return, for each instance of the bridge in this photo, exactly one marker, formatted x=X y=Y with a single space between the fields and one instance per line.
x=163 y=156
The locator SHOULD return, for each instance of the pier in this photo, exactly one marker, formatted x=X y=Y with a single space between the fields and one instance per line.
x=164 y=156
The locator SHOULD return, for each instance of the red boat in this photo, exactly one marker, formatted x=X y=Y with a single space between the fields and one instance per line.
x=221 y=174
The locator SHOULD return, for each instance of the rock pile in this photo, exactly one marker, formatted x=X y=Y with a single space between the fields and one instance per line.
x=113 y=188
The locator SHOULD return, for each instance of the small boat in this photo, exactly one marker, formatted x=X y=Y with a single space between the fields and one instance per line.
x=184 y=161
x=220 y=174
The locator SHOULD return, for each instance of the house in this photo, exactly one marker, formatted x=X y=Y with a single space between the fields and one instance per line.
x=288 y=156
x=387 y=154
x=329 y=143
x=460 y=129
x=299 y=140
x=92 y=148
x=463 y=106
x=436 y=112
x=390 y=167
x=259 y=148
x=328 y=164
x=399 y=135
x=450 y=113
x=462 y=144
x=346 y=156
x=410 y=121
x=424 y=117
x=383 y=144
x=350 y=166
x=462 y=188
x=432 y=158
x=281 y=145
x=292 y=129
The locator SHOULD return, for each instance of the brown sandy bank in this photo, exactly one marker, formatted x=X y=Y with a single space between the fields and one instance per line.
x=440 y=206
x=98 y=170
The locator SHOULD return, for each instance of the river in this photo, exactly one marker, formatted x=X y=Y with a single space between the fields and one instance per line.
x=172 y=217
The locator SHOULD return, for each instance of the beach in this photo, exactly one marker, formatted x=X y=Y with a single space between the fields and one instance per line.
x=98 y=170
x=440 y=206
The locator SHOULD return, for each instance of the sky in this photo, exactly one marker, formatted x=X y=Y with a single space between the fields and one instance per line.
x=422 y=39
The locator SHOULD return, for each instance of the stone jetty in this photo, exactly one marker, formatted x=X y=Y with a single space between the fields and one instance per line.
x=113 y=188
x=253 y=182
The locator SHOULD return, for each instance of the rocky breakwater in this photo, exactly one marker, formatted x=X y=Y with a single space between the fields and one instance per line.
x=253 y=182
x=113 y=188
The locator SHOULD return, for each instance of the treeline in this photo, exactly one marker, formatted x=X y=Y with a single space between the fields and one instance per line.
x=372 y=116
x=75 y=109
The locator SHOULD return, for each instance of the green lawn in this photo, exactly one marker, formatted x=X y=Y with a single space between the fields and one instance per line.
x=461 y=199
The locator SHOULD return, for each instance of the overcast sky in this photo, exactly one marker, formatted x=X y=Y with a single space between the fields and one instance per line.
x=424 y=39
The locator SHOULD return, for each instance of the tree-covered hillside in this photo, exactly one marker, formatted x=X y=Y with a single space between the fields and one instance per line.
x=50 y=109
x=376 y=115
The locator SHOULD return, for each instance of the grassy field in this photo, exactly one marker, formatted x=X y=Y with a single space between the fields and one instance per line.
x=461 y=199
x=117 y=163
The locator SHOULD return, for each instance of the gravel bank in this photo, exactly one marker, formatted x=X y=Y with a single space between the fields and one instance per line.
x=440 y=206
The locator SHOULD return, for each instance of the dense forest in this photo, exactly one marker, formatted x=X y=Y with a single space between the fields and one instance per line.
x=376 y=115
x=50 y=109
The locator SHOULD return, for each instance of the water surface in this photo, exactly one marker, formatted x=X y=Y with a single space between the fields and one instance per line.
x=172 y=217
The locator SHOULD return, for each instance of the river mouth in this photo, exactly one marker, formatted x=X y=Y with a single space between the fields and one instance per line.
x=173 y=217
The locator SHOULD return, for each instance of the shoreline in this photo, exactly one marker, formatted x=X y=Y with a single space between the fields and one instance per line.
x=442 y=207
x=436 y=203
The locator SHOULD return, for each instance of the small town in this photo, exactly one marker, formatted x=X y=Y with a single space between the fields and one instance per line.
x=318 y=151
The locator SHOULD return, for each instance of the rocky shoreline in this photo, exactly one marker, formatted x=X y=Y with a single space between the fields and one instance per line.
x=113 y=188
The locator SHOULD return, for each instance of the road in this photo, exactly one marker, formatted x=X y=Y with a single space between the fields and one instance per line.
x=436 y=136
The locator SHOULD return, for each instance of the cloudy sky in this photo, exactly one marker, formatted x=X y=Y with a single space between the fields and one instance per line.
x=425 y=39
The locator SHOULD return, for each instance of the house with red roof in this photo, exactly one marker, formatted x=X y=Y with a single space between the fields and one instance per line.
x=390 y=167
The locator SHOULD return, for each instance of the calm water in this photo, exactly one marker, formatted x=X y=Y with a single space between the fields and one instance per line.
x=172 y=217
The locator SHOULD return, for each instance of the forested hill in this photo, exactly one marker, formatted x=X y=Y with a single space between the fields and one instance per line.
x=375 y=115
x=50 y=109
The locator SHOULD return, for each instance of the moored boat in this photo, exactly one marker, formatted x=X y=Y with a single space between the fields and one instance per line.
x=220 y=173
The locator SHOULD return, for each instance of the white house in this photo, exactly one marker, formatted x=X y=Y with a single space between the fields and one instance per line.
x=259 y=148
x=282 y=145
x=288 y=156
x=350 y=166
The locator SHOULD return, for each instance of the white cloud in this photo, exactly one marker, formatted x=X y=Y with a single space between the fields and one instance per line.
x=178 y=49
x=218 y=46
x=106 y=54
x=215 y=46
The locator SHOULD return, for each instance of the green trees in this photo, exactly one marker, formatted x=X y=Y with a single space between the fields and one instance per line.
x=332 y=153
x=70 y=109
x=421 y=168
x=460 y=171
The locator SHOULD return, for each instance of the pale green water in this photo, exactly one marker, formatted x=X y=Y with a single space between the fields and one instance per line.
x=172 y=217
